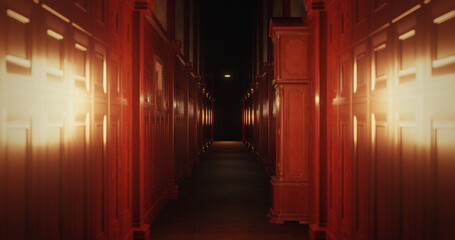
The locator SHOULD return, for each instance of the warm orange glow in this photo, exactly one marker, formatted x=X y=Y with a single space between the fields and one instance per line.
x=12 y=14
x=87 y=128
x=444 y=17
x=373 y=129
x=59 y=15
x=203 y=116
x=413 y=9
x=265 y=109
x=105 y=130
x=373 y=70
x=53 y=34
x=355 y=76
x=252 y=116
x=438 y=63
x=355 y=130
x=83 y=49
x=407 y=35
x=25 y=63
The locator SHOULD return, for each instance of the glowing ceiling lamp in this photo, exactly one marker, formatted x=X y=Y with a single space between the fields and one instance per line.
x=227 y=76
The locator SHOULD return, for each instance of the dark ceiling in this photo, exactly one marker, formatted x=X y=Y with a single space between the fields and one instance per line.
x=226 y=31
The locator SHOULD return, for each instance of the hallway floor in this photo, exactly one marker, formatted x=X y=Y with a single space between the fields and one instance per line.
x=228 y=197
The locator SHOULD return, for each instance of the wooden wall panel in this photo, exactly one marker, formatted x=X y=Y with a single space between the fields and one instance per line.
x=70 y=82
x=17 y=157
x=97 y=171
x=409 y=183
x=362 y=178
x=68 y=113
x=402 y=74
x=444 y=167
x=383 y=185
x=51 y=199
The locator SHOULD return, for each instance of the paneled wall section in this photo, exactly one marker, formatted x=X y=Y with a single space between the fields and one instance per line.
x=86 y=94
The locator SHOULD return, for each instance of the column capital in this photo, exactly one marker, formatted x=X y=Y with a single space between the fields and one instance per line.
x=290 y=39
x=283 y=26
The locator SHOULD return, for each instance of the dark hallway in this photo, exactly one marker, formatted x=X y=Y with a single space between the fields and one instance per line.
x=227 y=197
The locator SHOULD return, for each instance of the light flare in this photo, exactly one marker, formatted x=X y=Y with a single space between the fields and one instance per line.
x=16 y=16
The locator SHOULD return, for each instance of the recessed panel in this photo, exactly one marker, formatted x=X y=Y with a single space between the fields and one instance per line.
x=407 y=56
x=97 y=181
x=294 y=59
x=114 y=170
x=333 y=157
x=445 y=36
x=54 y=55
x=383 y=185
x=99 y=69
x=54 y=156
x=296 y=123
x=362 y=181
x=380 y=57
x=361 y=10
x=17 y=44
x=409 y=182
x=17 y=152
x=75 y=186
x=346 y=168
x=115 y=78
x=80 y=66
x=444 y=59
x=445 y=168
x=360 y=73
x=100 y=10
x=80 y=60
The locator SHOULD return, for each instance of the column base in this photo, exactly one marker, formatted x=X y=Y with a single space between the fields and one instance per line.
x=290 y=202
x=142 y=232
x=317 y=232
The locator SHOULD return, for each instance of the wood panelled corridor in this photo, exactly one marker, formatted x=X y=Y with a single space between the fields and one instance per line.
x=116 y=118
x=227 y=197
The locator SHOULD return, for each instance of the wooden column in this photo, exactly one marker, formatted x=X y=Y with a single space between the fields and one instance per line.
x=290 y=185
x=141 y=229
x=173 y=187
x=316 y=20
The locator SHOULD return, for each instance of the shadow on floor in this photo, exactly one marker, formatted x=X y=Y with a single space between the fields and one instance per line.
x=228 y=197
